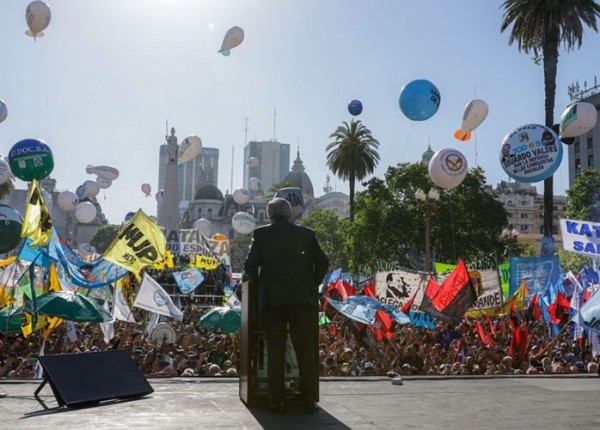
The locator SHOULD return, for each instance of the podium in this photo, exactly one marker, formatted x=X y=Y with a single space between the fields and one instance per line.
x=254 y=355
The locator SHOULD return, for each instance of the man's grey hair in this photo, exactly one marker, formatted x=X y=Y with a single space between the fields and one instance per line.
x=279 y=208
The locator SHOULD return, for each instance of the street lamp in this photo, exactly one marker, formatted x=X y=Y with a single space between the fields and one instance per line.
x=427 y=203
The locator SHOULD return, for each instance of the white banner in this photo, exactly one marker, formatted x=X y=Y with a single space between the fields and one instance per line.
x=397 y=287
x=154 y=298
x=487 y=286
x=581 y=237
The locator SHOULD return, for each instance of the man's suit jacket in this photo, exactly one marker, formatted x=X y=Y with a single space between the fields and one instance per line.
x=287 y=264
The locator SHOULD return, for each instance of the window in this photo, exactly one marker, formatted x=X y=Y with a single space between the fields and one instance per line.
x=590 y=143
x=524 y=216
x=591 y=160
x=577 y=147
x=577 y=164
x=209 y=213
x=524 y=228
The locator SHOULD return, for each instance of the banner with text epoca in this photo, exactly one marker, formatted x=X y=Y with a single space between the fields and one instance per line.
x=581 y=237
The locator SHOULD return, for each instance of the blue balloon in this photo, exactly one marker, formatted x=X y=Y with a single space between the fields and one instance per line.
x=355 y=107
x=419 y=100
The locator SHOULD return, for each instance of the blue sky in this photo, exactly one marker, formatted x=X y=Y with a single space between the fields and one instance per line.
x=99 y=86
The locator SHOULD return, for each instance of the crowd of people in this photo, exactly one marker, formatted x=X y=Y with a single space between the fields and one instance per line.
x=343 y=350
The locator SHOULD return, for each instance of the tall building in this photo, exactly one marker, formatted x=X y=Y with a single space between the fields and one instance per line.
x=201 y=171
x=168 y=206
x=273 y=162
x=582 y=153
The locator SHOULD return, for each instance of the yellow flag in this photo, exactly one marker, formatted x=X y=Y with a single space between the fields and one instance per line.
x=8 y=261
x=37 y=224
x=139 y=243
x=53 y=285
x=5 y=298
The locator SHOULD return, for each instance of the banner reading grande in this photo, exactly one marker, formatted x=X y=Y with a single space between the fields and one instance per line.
x=531 y=153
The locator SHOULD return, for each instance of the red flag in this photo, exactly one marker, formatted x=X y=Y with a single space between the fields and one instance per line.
x=492 y=328
x=487 y=340
x=559 y=308
x=339 y=287
x=408 y=304
x=535 y=310
x=349 y=288
x=369 y=291
x=456 y=295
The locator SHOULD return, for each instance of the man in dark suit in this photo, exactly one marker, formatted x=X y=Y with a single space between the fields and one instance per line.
x=286 y=264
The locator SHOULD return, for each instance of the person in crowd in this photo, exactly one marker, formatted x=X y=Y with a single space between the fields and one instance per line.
x=286 y=265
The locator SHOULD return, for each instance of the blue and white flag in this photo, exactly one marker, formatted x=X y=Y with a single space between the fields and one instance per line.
x=188 y=280
x=358 y=308
x=589 y=314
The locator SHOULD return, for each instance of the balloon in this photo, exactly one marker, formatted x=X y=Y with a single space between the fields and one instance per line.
x=31 y=159
x=254 y=184
x=226 y=52
x=146 y=189
x=578 y=119
x=4 y=171
x=189 y=149
x=294 y=196
x=3 y=111
x=241 y=196
x=419 y=100
x=159 y=196
x=531 y=153
x=448 y=168
x=103 y=183
x=11 y=223
x=204 y=226
x=475 y=113
x=128 y=216
x=253 y=162
x=67 y=200
x=85 y=212
x=86 y=249
x=243 y=222
x=109 y=173
x=38 y=17
x=233 y=37
x=91 y=188
x=355 y=107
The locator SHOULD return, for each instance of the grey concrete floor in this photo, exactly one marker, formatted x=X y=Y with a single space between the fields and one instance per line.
x=524 y=402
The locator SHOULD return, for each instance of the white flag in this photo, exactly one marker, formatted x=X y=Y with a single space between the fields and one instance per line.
x=39 y=370
x=71 y=331
x=120 y=309
x=108 y=328
x=154 y=298
x=234 y=302
x=152 y=323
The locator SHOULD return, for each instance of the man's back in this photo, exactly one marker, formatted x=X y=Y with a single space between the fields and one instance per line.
x=291 y=263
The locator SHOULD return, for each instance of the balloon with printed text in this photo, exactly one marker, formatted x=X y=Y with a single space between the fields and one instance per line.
x=11 y=223
x=419 y=100
x=475 y=113
x=4 y=171
x=31 y=159
x=448 y=168
x=232 y=39
x=355 y=107
x=3 y=111
x=85 y=212
x=67 y=200
x=37 y=16
x=578 y=119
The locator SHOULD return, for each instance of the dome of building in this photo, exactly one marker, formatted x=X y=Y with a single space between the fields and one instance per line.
x=427 y=156
x=298 y=177
x=208 y=192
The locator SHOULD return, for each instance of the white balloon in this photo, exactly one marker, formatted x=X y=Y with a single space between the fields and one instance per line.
x=3 y=111
x=146 y=189
x=233 y=37
x=38 y=16
x=91 y=188
x=85 y=212
x=159 y=196
x=103 y=183
x=241 y=196
x=578 y=119
x=5 y=171
x=475 y=113
x=448 y=168
x=253 y=162
x=189 y=149
x=86 y=249
x=254 y=184
x=204 y=226
x=109 y=173
x=67 y=200
x=243 y=222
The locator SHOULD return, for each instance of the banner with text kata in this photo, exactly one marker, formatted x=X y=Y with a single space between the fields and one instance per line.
x=581 y=237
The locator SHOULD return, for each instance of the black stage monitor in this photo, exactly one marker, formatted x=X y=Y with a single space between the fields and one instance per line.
x=91 y=377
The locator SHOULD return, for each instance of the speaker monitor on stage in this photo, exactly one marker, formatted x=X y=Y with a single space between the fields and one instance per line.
x=89 y=378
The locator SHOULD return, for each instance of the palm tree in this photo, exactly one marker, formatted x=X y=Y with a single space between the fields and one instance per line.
x=352 y=155
x=541 y=26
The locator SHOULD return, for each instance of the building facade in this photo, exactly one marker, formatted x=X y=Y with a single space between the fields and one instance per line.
x=273 y=163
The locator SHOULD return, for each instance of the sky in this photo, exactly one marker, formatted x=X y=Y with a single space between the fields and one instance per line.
x=105 y=78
